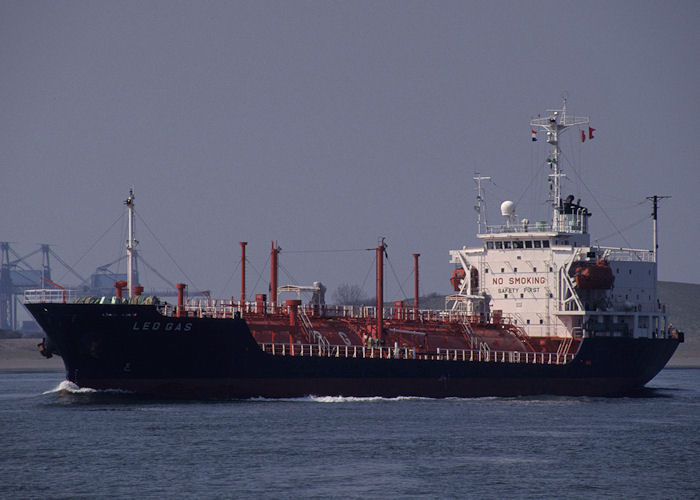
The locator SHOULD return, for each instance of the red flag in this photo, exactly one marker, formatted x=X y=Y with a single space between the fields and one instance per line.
x=583 y=136
x=590 y=132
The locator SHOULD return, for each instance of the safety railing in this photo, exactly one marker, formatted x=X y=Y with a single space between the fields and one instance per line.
x=226 y=309
x=49 y=295
x=627 y=254
x=465 y=355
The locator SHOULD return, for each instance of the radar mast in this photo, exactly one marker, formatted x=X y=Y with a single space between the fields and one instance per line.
x=557 y=121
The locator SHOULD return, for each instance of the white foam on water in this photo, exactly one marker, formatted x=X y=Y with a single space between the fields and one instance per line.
x=341 y=399
x=68 y=386
x=355 y=399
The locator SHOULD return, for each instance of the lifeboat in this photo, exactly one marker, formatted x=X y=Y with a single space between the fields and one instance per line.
x=592 y=275
x=459 y=274
x=457 y=277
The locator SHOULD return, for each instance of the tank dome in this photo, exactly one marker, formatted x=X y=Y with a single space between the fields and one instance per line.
x=507 y=208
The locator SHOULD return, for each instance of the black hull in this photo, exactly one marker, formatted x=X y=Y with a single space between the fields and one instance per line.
x=135 y=348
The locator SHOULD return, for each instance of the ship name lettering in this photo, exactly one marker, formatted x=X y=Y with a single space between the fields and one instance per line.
x=156 y=325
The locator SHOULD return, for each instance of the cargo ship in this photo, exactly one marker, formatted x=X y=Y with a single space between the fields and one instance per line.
x=534 y=309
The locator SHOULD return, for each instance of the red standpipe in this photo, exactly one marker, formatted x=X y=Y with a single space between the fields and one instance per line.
x=260 y=299
x=274 y=252
x=180 y=298
x=415 y=282
x=138 y=290
x=398 y=309
x=293 y=306
x=380 y=292
x=243 y=244
x=120 y=285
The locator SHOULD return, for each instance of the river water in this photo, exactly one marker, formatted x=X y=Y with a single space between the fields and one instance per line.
x=61 y=443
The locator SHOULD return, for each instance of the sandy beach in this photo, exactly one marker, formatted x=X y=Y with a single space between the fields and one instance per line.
x=22 y=355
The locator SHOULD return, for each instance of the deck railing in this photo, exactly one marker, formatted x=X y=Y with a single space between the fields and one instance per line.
x=224 y=309
x=465 y=355
x=50 y=295
x=628 y=254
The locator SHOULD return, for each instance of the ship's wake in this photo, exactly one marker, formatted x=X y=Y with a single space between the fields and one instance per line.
x=342 y=399
x=67 y=386
x=68 y=392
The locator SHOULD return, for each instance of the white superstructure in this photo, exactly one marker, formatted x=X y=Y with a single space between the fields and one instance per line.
x=546 y=278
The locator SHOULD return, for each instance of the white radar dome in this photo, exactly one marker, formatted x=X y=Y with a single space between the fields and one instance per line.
x=507 y=208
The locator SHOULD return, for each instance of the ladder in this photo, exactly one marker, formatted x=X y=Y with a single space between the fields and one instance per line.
x=314 y=336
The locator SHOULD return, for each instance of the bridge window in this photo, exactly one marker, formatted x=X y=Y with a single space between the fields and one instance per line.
x=517 y=244
x=545 y=243
x=538 y=244
x=489 y=245
x=506 y=244
x=499 y=245
x=528 y=244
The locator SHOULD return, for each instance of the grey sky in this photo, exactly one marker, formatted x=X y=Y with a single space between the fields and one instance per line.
x=324 y=125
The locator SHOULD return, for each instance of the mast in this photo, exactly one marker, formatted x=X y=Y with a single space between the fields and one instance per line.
x=380 y=291
x=555 y=124
x=654 y=213
x=415 y=282
x=274 y=256
x=479 y=207
x=130 y=243
x=243 y=244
